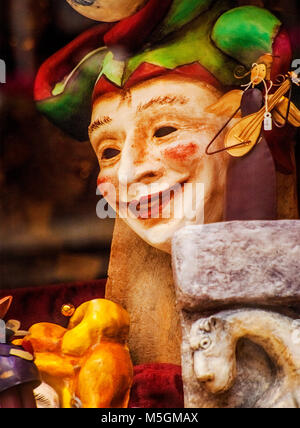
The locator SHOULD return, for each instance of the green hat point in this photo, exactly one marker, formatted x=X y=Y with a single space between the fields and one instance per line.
x=245 y=33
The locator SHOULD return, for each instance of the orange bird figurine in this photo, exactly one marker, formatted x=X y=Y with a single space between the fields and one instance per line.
x=88 y=364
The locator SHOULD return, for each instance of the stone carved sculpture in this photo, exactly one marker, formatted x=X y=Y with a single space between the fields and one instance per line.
x=238 y=288
x=213 y=342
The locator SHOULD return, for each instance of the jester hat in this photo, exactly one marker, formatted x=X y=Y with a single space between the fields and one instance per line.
x=204 y=39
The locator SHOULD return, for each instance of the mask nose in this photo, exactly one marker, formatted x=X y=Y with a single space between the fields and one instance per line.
x=136 y=168
x=205 y=377
x=125 y=173
x=201 y=369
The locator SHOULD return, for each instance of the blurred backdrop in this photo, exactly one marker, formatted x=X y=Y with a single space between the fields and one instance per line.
x=49 y=231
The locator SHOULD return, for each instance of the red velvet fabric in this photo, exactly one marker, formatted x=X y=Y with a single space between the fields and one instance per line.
x=43 y=304
x=157 y=386
x=282 y=54
x=154 y=385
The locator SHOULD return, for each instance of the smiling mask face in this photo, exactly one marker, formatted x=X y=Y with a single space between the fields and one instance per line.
x=150 y=143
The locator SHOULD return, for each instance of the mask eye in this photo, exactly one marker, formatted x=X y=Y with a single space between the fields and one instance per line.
x=205 y=342
x=110 y=153
x=164 y=131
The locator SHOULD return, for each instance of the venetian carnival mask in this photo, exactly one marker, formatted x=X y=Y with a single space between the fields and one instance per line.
x=150 y=89
x=151 y=149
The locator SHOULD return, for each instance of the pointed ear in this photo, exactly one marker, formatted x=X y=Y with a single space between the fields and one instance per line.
x=227 y=104
x=217 y=322
x=4 y=305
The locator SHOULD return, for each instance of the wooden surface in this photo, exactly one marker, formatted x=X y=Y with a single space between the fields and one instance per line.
x=141 y=280
x=287 y=198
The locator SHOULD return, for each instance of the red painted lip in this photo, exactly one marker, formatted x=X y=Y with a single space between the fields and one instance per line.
x=151 y=206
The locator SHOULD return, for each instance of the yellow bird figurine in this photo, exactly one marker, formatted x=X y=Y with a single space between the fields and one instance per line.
x=88 y=364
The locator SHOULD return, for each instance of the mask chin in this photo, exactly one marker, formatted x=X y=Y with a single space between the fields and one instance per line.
x=162 y=246
x=159 y=236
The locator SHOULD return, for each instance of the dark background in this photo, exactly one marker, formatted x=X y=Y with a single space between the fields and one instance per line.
x=49 y=231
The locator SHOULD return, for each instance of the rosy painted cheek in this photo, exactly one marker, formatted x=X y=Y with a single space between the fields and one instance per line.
x=102 y=180
x=105 y=186
x=182 y=152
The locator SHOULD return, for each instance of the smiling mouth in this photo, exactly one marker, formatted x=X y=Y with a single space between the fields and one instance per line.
x=152 y=206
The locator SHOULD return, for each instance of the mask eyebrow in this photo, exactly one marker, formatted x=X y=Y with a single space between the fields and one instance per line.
x=98 y=123
x=160 y=101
